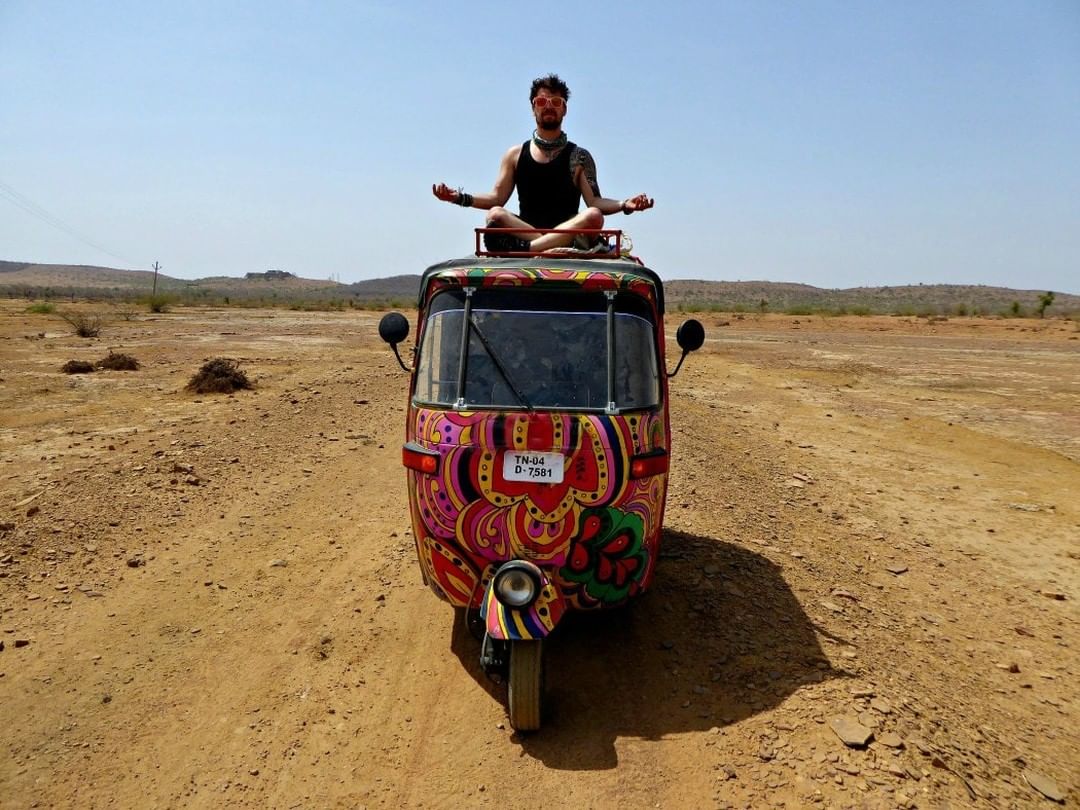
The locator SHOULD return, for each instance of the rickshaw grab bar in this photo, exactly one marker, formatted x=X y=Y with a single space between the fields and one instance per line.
x=611 y=352
x=463 y=362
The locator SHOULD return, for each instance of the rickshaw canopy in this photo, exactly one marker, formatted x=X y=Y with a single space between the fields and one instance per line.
x=546 y=271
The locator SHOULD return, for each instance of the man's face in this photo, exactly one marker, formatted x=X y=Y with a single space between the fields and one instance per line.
x=549 y=109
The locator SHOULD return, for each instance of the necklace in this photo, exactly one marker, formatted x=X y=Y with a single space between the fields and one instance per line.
x=549 y=145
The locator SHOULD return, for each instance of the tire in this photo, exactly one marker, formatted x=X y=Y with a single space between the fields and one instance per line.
x=526 y=684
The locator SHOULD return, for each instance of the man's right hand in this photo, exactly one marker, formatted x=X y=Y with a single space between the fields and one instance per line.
x=445 y=193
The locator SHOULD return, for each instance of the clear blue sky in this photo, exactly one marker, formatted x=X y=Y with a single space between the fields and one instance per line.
x=830 y=143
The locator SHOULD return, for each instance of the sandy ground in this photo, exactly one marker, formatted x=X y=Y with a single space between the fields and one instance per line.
x=213 y=600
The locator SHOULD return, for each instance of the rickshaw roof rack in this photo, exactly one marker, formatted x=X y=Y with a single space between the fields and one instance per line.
x=546 y=261
x=598 y=241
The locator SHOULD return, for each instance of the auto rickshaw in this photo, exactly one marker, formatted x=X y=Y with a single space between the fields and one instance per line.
x=537 y=442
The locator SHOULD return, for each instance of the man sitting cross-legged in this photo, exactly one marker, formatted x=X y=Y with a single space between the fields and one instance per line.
x=552 y=176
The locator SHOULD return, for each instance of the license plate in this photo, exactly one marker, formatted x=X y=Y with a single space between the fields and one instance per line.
x=541 y=468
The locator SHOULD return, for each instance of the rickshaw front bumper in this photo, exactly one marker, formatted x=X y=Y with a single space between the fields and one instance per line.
x=521 y=603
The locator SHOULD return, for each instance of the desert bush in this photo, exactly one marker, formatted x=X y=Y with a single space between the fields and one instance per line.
x=329 y=305
x=117 y=361
x=77 y=367
x=379 y=304
x=1045 y=300
x=219 y=376
x=159 y=303
x=85 y=324
x=41 y=308
x=126 y=312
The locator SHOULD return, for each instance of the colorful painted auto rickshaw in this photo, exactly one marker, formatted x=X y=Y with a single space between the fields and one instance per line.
x=537 y=444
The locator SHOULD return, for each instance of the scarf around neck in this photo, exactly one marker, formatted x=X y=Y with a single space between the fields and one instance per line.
x=549 y=145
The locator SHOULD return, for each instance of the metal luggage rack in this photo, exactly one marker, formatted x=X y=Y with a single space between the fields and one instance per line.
x=614 y=252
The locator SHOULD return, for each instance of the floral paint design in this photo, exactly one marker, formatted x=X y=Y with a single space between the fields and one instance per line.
x=467 y=516
x=607 y=557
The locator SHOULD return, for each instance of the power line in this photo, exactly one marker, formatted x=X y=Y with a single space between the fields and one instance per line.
x=29 y=206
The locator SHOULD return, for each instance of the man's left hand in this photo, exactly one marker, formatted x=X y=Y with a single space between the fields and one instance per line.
x=642 y=202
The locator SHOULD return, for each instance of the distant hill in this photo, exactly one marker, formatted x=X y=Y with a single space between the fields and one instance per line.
x=88 y=281
x=393 y=288
x=275 y=287
x=911 y=298
x=82 y=276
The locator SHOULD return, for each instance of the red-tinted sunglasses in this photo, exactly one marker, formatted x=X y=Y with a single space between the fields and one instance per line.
x=555 y=101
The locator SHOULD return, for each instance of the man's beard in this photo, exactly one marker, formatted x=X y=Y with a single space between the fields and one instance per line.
x=549 y=123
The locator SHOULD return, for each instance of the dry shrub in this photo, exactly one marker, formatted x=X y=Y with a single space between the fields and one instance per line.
x=77 y=367
x=116 y=361
x=85 y=324
x=219 y=376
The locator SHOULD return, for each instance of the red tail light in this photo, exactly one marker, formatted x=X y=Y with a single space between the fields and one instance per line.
x=417 y=458
x=653 y=463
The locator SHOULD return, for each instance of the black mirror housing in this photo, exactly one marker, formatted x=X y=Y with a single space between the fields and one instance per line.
x=393 y=328
x=690 y=335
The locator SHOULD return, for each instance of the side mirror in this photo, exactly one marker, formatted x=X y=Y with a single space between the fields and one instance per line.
x=691 y=337
x=394 y=328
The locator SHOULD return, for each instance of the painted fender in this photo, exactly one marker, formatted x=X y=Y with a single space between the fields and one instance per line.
x=530 y=624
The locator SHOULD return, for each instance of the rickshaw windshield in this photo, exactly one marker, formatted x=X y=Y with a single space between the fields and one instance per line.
x=535 y=350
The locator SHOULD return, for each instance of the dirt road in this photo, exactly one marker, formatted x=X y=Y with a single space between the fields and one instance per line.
x=213 y=600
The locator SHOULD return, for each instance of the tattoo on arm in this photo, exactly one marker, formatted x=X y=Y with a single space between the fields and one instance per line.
x=582 y=158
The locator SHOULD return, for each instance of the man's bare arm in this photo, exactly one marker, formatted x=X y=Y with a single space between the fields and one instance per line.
x=585 y=178
x=504 y=186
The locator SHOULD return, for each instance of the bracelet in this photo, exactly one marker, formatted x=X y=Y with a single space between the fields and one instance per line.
x=464 y=199
x=624 y=210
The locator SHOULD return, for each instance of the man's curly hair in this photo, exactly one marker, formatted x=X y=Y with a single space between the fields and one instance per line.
x=552 y=83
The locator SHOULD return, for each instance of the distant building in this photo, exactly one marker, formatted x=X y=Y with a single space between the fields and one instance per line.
x=269 y=275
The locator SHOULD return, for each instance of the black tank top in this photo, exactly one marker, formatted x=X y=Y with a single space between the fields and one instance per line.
x=546 y=191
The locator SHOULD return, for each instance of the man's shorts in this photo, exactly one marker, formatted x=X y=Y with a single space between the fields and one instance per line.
x=505 y=243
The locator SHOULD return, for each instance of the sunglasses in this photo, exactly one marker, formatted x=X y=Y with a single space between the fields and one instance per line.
x=543 y=101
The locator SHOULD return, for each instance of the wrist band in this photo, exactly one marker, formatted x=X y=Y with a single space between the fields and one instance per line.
x=623 y=207
x=464 y=199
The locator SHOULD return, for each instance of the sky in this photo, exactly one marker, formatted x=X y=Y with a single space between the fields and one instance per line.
x=837 y=144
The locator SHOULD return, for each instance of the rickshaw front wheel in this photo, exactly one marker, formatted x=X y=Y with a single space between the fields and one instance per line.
x=526 y=684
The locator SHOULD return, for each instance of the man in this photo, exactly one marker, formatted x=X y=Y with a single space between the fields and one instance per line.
x=552 y=176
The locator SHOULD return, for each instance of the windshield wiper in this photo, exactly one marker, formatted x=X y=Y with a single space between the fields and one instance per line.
x=498 y=364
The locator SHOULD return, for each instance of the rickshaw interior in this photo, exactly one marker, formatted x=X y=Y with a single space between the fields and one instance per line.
x=538 y=349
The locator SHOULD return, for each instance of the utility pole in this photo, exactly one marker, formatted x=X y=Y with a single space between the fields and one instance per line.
x=156 y=268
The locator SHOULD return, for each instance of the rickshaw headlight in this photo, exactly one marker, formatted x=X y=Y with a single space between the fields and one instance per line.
x=516 y=585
